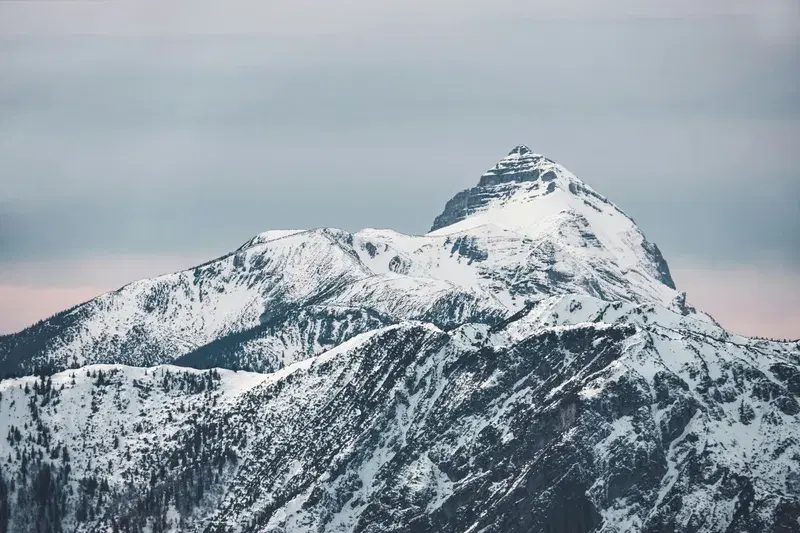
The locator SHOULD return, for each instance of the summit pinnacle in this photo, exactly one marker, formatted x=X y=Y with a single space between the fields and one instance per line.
x=520 y=149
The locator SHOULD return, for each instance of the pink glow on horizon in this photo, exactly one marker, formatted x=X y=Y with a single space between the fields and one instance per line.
x=22 y=306
x=759 y=301
x=32 y=291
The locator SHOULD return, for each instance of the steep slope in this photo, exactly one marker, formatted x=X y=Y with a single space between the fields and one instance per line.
x=575 y=415
x=529 y=230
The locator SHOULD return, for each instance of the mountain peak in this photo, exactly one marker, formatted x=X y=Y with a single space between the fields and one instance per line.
x=535 y=197
x=520 y=169
x=521 y=164
x=520 y=149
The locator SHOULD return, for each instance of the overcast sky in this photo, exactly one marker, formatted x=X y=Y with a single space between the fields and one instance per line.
x=140 y=137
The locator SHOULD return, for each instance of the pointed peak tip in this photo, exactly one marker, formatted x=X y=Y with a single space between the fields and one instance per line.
x=520 y=149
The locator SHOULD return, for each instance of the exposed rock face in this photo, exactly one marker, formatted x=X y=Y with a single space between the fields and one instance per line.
x=526 y=366
x=575 y=415
x=520 y=165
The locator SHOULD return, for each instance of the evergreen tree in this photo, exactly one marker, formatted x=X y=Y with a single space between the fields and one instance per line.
x=5 y=508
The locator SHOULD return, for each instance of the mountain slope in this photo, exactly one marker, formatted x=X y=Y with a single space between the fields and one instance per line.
x=576 y=415
x=157 y=320
x=529 y=230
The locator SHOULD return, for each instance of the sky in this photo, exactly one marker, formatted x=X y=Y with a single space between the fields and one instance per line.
x=143 y=137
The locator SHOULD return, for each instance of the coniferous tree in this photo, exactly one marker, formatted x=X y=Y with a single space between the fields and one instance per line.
x=5 y=507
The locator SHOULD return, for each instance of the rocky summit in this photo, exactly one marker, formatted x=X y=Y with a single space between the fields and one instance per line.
x=526 y=366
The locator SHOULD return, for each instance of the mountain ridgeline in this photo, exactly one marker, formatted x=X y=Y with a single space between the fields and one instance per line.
x=528 y=365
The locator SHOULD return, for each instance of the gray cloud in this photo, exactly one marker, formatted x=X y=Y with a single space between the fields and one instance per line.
x=775 y=20
x=185 y=132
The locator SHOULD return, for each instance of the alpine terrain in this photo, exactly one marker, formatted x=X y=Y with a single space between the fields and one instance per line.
x=526 y=366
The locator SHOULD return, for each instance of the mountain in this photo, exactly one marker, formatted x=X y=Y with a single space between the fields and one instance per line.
x=528 y=365
x=529 y=230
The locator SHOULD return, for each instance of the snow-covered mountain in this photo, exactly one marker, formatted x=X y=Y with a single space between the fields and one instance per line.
x=529 y=230
x=528 y=365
